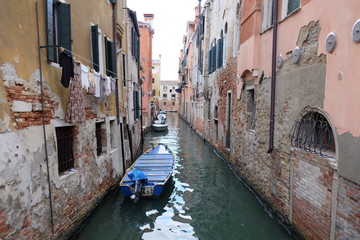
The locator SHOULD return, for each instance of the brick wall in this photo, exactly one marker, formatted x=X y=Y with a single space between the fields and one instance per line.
x=312 y=191
x=348 y=210
x=25 y=105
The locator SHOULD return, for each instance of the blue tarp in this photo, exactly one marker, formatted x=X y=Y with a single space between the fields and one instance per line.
x=137 y=175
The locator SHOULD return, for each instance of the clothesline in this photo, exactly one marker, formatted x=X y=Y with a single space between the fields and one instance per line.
x=87 y=60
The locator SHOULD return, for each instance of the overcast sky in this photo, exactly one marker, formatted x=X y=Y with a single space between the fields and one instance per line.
x=169 y=25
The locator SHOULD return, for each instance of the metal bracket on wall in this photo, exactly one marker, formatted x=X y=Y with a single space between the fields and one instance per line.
x=279 y=61
x=356 y=32
x=296 y=55
x=330 y=42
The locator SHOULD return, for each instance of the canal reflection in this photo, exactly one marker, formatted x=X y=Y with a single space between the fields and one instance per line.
x=205 y=200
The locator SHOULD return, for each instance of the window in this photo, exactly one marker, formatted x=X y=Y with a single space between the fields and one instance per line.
x=289 y=6
x=251 y=108
x=220 y=50
x=96 y=46
x=216 y=112
x=228 y=119
x=164 y=103
x=109 y=56
x=100 y=137
x=65 y=140
x=153 y=93
x=165 y=88
x=125 y=128
x=135 y=44
x=173 y=103
x=236 y=30
x=136 y=105
x=113 y=130
x=164 y=96
x=209 y=109
x=212 y=57
x=58 y=26
x=267 y=14
x=173 y=96
x=124 y=69
x=313 y=133
x=153 y=80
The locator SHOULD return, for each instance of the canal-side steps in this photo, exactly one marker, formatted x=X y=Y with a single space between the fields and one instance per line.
x=150 y=173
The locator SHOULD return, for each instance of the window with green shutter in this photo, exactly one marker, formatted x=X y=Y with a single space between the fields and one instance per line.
x=124 y=69
x=109 y=52
x=58 y=28
x=64 y=25
x=220 y=52
x=50 y=30
x=95 y=46
x=136 y=105
x=293 y=5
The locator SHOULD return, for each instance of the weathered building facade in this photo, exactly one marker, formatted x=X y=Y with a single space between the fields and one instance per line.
x=278 y=90
x=66 y=103
x=169 y=100
x=156 y=78
x=146 y=36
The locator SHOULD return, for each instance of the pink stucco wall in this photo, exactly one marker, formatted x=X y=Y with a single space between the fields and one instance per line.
x=334 y=16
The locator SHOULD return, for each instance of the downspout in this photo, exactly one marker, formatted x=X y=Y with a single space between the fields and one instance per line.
x=273 y=77
x=141 y=97
x=117 y=86
x=43 y=118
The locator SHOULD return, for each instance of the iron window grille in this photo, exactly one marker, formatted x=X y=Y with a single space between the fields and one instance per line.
x=99 y=132
x=313 y=134
x=65 y=139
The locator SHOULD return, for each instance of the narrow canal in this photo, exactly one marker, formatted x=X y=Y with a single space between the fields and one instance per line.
x=206 y=200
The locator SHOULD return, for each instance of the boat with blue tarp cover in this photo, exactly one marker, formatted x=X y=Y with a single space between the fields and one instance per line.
x=150 y=173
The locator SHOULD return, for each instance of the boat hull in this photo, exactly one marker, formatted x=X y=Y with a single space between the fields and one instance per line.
x=157 y=164
x=160 y=127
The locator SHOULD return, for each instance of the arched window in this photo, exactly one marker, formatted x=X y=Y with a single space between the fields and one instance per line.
x=313 y=133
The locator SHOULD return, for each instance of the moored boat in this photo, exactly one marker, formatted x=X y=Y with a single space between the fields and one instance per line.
x=160 y=124
x=150 y=173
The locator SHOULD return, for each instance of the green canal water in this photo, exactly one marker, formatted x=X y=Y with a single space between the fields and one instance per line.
x=206 y=200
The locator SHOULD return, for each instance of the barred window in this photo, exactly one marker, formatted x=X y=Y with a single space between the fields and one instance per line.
x=100 y=137
x=113 y=131
x=313 y=133
x=65 y=140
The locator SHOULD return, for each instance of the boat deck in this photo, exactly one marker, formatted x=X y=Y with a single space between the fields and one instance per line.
x=157 y=165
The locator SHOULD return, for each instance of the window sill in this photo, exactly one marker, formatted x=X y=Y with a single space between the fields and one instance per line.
x=55 y=65
x=68 y=175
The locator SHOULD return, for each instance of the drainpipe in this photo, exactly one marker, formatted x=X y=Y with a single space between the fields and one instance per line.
x=117 y=85
x=273 y=77
x=43 y=118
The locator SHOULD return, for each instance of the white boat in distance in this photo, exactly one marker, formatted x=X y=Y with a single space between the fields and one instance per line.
x=160 y=124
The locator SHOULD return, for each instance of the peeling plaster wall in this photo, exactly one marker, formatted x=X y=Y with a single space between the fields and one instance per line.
x=24 y=193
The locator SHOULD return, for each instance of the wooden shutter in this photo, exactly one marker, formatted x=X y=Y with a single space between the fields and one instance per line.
x=64 y=26
x=109 y=57
x=219 y=52
x=209 y=67
x=95 y=47
x=124 y=69
x=50 y=30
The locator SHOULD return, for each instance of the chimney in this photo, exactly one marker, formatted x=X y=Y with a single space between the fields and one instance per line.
x=196 y=11
x=148 y=17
